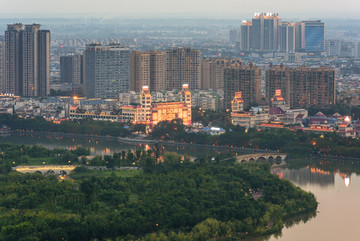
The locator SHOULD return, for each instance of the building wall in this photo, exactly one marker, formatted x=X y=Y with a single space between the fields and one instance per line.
x=157 y=70
x=27 y=68
x=212 y=72
x=107 y=70
x=245 y=79
x=139 y=70
x=277 y=78
x=183 y=67
x=312 y=87
x=2 y=63
x=71 y=69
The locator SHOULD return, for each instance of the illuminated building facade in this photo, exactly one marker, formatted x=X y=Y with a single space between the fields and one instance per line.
x=152 y=113
x=250 y=119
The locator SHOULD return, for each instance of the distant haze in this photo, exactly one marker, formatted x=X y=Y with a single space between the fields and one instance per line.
x=182 y=8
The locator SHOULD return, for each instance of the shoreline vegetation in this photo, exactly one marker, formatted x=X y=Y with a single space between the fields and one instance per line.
x=173 y=199
x=297 y=144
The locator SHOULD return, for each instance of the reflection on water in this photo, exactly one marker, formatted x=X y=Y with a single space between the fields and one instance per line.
x=337 y=189
x=302 y=219
x=306 y=175
x=96 y=146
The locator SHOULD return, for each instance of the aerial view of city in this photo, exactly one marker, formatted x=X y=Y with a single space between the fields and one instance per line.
x=179 y=120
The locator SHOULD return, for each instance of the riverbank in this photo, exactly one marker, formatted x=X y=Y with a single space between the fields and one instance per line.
x=142 y=140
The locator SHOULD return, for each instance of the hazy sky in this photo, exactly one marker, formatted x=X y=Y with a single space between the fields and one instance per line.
x=208 y=8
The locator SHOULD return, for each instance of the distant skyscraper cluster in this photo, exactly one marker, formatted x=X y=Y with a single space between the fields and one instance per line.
x=267 y=33
x=26 y=61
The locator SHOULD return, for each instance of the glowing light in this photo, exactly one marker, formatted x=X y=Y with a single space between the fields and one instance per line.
x=347 y=181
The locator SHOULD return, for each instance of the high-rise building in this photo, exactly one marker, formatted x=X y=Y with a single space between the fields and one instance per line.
x=71 y=69
x=27 y=66
x=2 y=58
x=157 y=70
x=147 y=69
x=302 y=87
x=107 y=70
x=287 y=37
x=183 y=66
x=139 y=70
x=332 y=47
x=243 y=78
x=310 y=36
x=234 y=35
x=265 y=32
x=246 y=35
x=212 y=72
x=278 y=78
x=312 y=87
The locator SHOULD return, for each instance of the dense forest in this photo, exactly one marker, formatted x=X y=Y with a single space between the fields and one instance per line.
x=172 y=200
x=86 y=126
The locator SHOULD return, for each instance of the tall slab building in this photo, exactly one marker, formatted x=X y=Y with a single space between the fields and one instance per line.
x=27 y=65
x=147 y=69
x=183 y=66
x=302 y=87
x=107 y=70
x=2 y=59
x=212 y=72
x=310 y=36
x=245 y=79
x=71 y=69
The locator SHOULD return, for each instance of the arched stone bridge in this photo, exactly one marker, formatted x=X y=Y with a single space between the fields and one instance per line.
x=49 y=169
x=264 y=157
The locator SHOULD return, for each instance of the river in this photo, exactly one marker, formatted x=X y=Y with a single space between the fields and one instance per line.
x=336 y=187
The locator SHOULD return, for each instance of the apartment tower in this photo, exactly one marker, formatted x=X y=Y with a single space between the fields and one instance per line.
x=245 y=79
x=71 y=69
x=107 y=70
x=302 y=87
x=212 y=72
x=27 y=66
x=147 y=69
x=183 y=66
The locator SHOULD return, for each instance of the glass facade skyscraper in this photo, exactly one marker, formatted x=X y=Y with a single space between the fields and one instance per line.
x=313 y=36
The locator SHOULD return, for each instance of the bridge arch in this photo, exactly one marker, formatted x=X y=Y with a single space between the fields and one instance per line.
x=261 y=159
x=50 y=172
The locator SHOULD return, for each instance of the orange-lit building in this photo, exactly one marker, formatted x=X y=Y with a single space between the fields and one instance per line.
x=152 y=113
